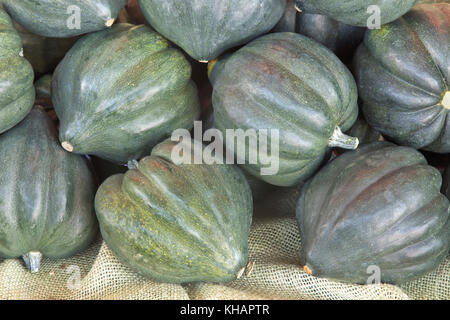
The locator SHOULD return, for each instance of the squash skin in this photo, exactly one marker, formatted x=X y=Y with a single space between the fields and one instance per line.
x=16 y=77
x=213 y=26
x=288 y=82
x=379 y=205
x=403 y=73
x=47 y=202
x=119 y=92
x=49 y=18
x=354 y=12
x=196 y=232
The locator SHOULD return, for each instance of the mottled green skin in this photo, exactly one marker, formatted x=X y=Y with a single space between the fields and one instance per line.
x=16 y=77
x=177 y=223
x=377 y=206
x=49 y=18
x=291 y=83
x=403 y=72
x=119 y=92
x=43 y=53
x=206 y=29
x=354 y=12
x=47 y=194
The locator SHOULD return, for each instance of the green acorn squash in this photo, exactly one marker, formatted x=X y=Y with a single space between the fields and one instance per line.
x=47 y=194
x=376 y=208
x=403 y=76
x=120 y=91
x=290 y=83
x=206 y=29
x=64 y=18
x=177 y=223
x=16 y=77
x=356 y=12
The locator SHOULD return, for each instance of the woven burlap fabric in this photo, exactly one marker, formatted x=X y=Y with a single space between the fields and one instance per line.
x=274 y=246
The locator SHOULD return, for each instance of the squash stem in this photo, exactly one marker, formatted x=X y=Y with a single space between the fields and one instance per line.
x=33 y=260
x=133 y=164
x=341 y=140
x=446 y=100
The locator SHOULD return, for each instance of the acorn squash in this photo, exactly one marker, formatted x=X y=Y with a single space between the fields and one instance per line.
x=16 y=77
x=376 y=208
x=403 y=76
x=290 y=84
x=177 y=223
x=120 y=91
x=356 y=12
x=206 y=29
x=47 y=194
x=64 y=18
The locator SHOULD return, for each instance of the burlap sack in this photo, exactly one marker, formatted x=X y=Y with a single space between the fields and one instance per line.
x=274 y=246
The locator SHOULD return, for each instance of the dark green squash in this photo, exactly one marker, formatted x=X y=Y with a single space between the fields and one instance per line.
x=355 y=12
x=403 y=76
x=378 y=207
x=56 y=18
x=290 y=83
x=47 y=194
x=43 y=53
x=206 y=29
x=120 y=91
x=16 y=77
x=177 y=223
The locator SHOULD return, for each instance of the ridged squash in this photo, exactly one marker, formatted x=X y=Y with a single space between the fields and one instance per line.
x=64 y=18
x=46 y=194
x=403 y=74
x=374 y=210
x=16 y=77
x=290 y=84
x=357 y=12
x=120 y=91
x=177 y=223
x=206 y=29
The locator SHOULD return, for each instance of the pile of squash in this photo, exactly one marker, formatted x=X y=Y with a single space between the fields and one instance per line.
x=92 y=90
